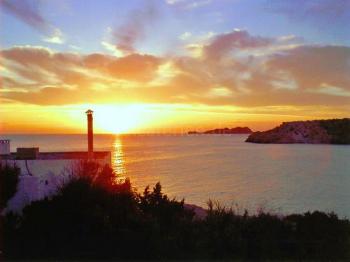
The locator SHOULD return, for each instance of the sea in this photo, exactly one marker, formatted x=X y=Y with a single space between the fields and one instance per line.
x=276 y=178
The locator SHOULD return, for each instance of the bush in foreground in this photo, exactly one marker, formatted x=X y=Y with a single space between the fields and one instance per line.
x=8 y=182
x=93 y=218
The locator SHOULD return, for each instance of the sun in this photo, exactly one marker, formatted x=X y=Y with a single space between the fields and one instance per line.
x=118 y=119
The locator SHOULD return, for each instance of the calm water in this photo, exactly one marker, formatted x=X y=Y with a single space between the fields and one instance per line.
x=279 y=178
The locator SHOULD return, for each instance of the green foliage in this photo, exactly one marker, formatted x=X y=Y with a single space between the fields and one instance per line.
x=338 y=129
x=91 y=217
x=8 y=182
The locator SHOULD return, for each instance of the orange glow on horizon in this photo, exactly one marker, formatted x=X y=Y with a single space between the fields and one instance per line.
x=144 y=118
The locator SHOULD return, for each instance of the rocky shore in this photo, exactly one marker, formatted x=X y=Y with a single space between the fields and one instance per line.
x=333 y=131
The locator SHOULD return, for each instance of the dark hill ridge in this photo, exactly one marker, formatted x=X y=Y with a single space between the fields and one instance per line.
x=332 y=131
x=235 y=130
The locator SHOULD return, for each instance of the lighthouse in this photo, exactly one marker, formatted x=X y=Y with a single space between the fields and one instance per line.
x=90 y=133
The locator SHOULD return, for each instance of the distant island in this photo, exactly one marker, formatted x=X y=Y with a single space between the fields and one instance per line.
x=235 y=130
x=333 y=131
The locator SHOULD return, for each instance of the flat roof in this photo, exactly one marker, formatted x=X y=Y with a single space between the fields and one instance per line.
x=61 y=155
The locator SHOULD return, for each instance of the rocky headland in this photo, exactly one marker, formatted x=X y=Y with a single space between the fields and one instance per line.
x=235 y=130
x=333 y=131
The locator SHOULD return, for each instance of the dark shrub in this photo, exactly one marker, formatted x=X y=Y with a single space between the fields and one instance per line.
x=9 y=176
x=91 y=217
x=338 y=129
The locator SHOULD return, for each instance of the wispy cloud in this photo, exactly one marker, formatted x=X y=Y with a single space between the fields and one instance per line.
x=235 y=68
x=196 y=4
x=29 y=13
x=323 y=11
x=185 y=35
x=112 y=48
x=55 y=38
x=188 y=4
x=172 y=2
x=134 y=27
x=222 y=44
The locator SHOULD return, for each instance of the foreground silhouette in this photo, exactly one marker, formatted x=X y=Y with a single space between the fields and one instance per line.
x=91 y=217
x=9 y=176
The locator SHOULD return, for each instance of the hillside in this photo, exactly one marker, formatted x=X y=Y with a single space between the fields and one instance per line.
x=333 y=131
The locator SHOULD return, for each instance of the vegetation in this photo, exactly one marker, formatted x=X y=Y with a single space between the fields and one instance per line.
x=330 y=131
x=8 y=183
x=91 y=217
x=338 y=129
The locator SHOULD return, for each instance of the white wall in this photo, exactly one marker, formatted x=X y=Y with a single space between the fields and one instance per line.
x=47 y=176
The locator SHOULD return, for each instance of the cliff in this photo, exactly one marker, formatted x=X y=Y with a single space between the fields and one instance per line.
x=334 y=131
x=235 y=130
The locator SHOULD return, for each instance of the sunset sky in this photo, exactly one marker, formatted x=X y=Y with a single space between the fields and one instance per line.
x=171 y=65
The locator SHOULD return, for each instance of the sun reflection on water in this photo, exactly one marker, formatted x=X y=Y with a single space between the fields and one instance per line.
x=118 y=160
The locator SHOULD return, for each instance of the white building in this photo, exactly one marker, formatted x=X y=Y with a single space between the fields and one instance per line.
x=43 y=173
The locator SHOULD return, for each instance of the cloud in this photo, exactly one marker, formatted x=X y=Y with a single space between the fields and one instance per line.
x=313 y=66
x=323 y=11
x=196 y=4
x=235 y=69
x=55 y=38
x=134 y=27
x=220 y=91
x=333 y=90
x=41 y=67
x=185 y=35
x=29 y=13
x=188 y=4
x=134 y=67
x=222 y=44
x=26 y=11
x=172 y=2
x=195 y=50
x=112 y=48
